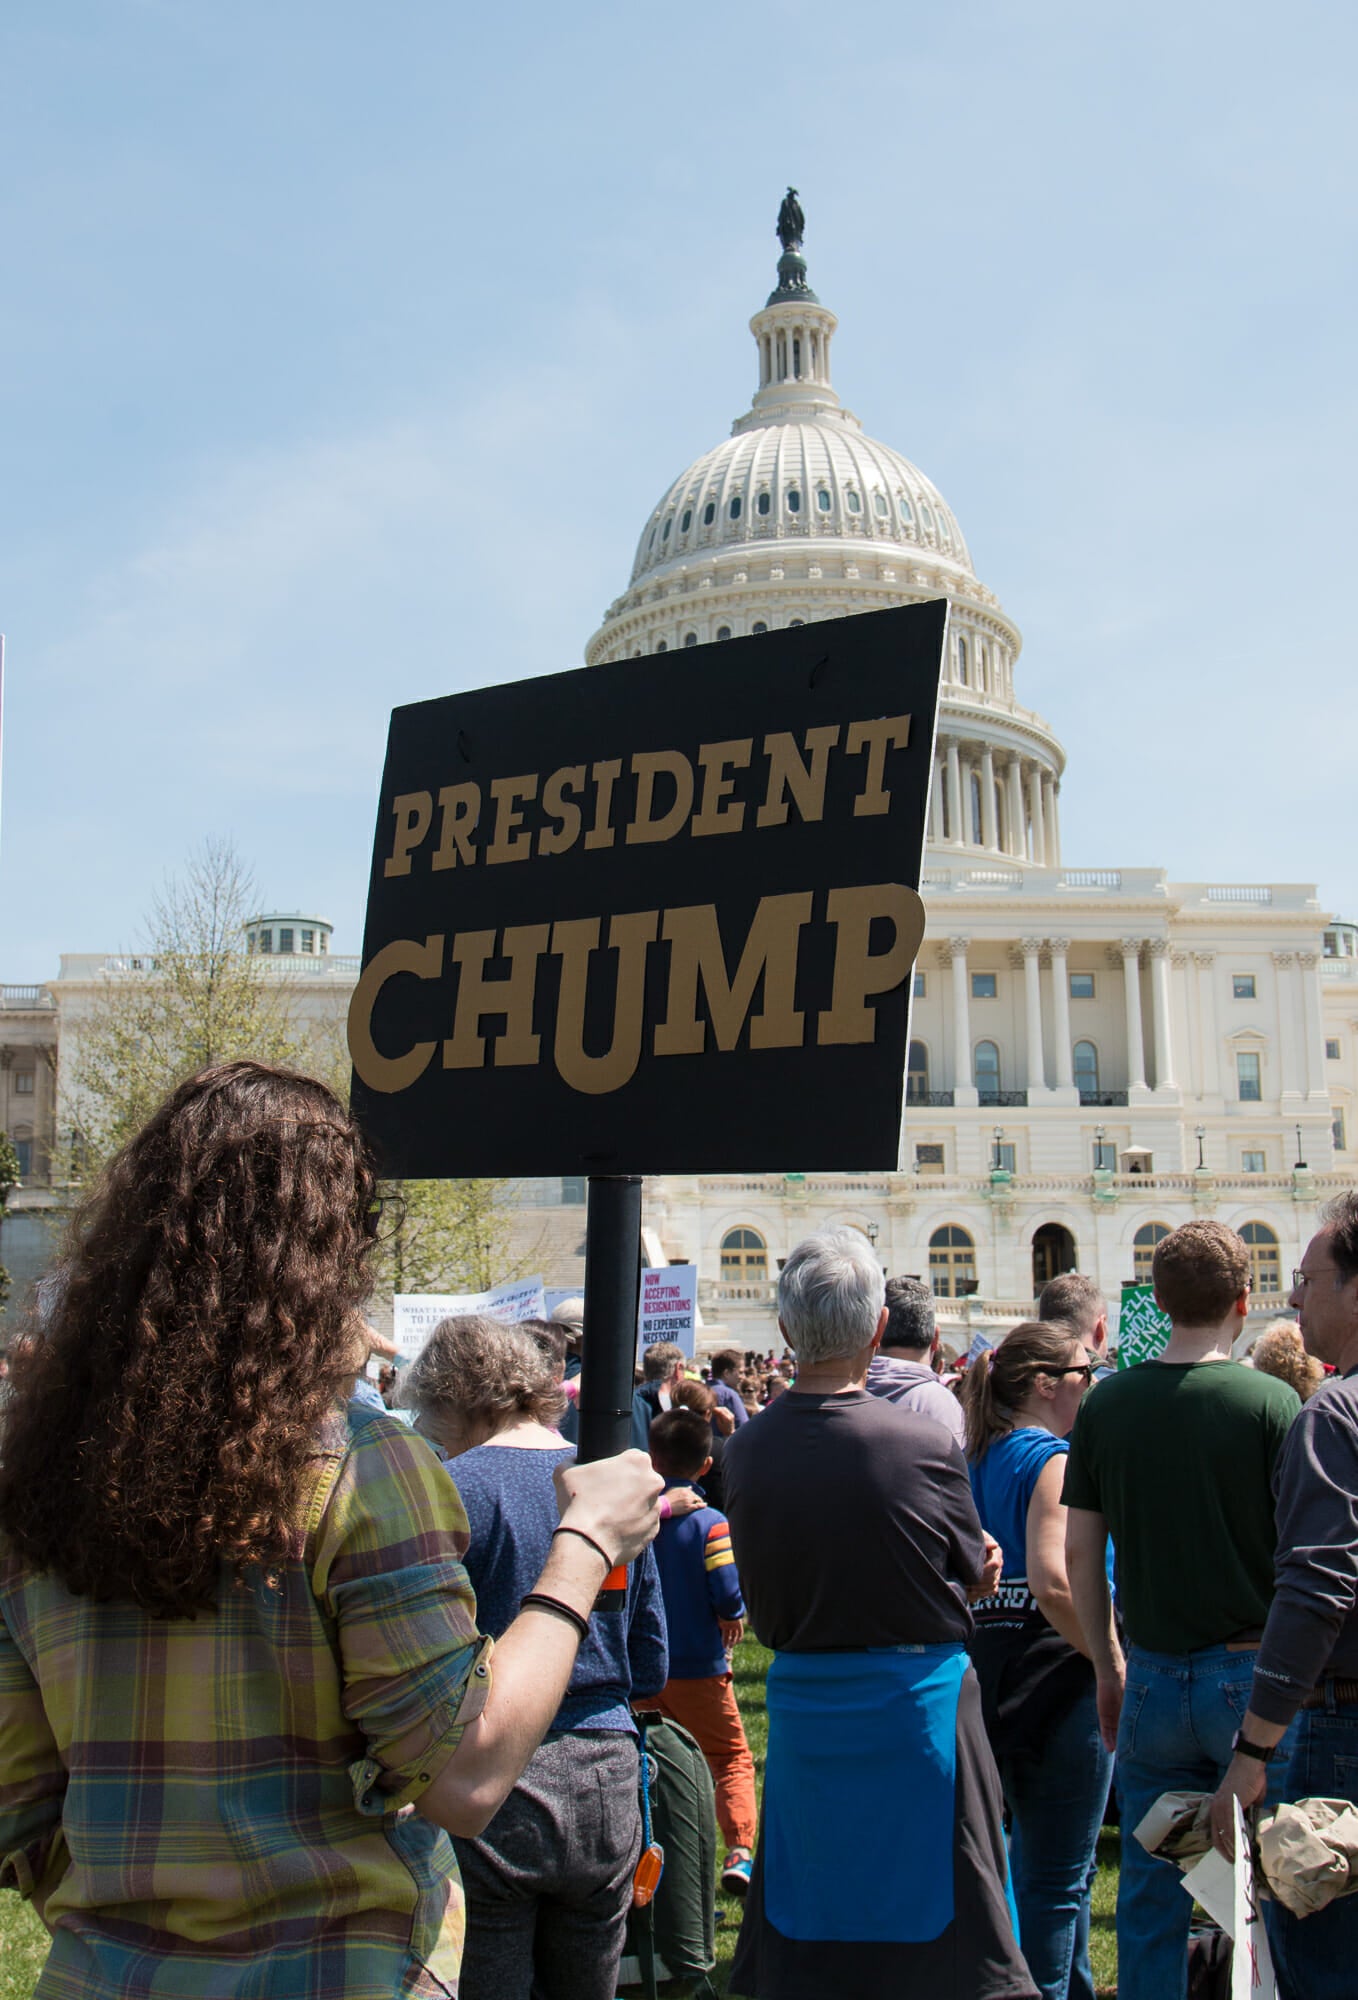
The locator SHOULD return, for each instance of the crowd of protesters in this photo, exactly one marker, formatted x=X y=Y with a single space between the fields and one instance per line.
x=306 y=1696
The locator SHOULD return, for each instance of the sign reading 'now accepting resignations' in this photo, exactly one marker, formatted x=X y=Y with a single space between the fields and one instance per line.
x=653 y=916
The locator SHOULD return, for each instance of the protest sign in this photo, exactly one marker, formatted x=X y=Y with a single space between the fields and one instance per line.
x=608 y=905
x=981 y=1343
x=556 y=1295
x=1226 y=1890
x=669 y=1307
x=1143 y=1330
x=416 y=1314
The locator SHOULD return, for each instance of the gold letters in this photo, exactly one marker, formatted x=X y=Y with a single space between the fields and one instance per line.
x=647 y=766
x=874 y=738
x=573 y=942
x=787 y=773
x=413 y=811
x=696 y=953
x=390 y=1073
x=712 y=816
x=523 y=945
x=852 y=912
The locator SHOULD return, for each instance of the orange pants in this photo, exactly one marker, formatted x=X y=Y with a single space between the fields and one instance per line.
x=707 y=1710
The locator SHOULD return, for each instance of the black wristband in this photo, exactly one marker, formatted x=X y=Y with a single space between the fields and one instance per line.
x=1244 y=1748
x=541 y=1600
x=581 y=1536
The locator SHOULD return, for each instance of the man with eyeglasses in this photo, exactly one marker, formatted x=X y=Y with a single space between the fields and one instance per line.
x=1174 y=1459
x=1308 y=1660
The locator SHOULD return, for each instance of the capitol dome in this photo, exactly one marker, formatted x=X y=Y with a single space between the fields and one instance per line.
x=798 y=515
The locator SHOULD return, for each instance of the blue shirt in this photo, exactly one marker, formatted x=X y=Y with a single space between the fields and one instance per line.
x=511 y=1508
x=729 y=1400
x=1002 y=1486
x=700 y=1585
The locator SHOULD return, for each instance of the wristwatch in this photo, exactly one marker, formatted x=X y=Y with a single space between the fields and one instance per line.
x=1244 y=1748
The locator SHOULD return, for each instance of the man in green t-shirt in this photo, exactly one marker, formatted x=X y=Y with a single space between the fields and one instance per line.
x=1175 y=1460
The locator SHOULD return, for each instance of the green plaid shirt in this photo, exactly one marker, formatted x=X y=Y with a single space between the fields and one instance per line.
x=198 y=1807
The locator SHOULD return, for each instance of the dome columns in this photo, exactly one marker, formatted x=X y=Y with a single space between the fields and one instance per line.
x=991 y=799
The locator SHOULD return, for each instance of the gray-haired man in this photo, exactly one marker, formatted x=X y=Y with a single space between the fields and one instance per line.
x=858 y=1546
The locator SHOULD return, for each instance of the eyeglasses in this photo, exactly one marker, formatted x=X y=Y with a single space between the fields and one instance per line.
x=1301 y=1279
x=1087 y=1371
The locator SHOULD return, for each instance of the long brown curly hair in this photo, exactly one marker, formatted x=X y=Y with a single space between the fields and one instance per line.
x=200 y=1328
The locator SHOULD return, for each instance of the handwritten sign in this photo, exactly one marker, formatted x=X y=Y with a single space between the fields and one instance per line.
x=668 y=1308
x=416 y=1314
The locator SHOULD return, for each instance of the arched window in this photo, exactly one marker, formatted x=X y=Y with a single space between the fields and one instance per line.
x=665 y=531
x=986 y=1072
x=686 y=521
x=759 y=626
x=1087 y=1072
x=723 y=631
x=823 y=499
x=854 y=503
x=975 y=789
x=961 y=659
x=690 y=638
x=709 y=513
x=1266 y=1264
x=763 y=503
x=794 y=501
x=879 y=505
x=1143 y=1249
x=917 y=1074
x=744 y=1257
x=734 y=509
x=925 y=515
x=796 y=621
x=907 y=511
x=662 y=645
x=952 y=1262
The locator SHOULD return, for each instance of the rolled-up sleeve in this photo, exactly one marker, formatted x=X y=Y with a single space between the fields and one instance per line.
x=32 y=1775
x=388 y=1570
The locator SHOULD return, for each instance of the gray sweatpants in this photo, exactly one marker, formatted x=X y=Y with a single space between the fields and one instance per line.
x=549 y=1882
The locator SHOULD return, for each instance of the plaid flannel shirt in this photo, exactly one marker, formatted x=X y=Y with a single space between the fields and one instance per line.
x=199 y=1808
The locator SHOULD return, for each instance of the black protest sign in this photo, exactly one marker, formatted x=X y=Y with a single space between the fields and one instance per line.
x=653 y=916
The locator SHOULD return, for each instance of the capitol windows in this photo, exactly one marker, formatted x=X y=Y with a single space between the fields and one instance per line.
x=907 y=511
x=952 y=1262
x=1337 y=1131
x=975 y=791
x=665 y=532
x=285 y=942
x=1266 y=1264
x=794 y=501
x=759 y=626
x=763 y=503
x=921 y=985
x=917 y=1074
x=879 y=506
x=962 y=660
x=266 y=941
x=662 y=645
x=690 y=638
x=928 y=1158
x=23 y=1082
x=1332 y=1048
x=823 y=500
x=1242 y=986
x=1105 y=1156
x=1249 y=1082
x=734 y=509
x=709 y=513
x=853 y=502
x=686 y=521
x=985 y=1070
x=1253 y=1161
x=1082 y=986
x=723 y=632
x=744 y=1258
x=795 y=621
x=1143 y=1249
x=309 y=941
x=985 y=986
x=925 y=515
x=1086 y=1065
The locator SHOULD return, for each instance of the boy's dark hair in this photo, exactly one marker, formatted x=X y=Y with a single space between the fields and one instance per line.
x=723 y=1363
x=910 y=1314
x=681 y=1443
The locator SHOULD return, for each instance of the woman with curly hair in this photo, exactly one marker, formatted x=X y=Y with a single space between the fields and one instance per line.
x=1279 y=1351
x=237 y=1641
x=1030 y=1655
x=549 y=1881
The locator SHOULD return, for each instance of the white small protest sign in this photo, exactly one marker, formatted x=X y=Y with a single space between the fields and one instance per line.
x=416 y=1314
x=669 y=1307
x=1226 y=1891
x=555 y=1296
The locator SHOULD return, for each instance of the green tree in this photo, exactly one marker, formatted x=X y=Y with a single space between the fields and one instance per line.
x=197 y=997
x=448 y=1236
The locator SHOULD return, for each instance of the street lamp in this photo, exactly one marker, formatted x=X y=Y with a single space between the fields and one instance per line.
x=1300 y=1167
x=999 y=1134
x=873 y=1232
x=1200 y=1134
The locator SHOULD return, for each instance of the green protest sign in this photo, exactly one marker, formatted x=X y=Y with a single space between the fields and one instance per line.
x=1143 y=1330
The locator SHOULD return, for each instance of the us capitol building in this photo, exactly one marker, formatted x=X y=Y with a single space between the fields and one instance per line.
x=1096 y=1054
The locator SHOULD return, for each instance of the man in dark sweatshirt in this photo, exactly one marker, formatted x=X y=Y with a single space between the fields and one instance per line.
x=1307 y=1663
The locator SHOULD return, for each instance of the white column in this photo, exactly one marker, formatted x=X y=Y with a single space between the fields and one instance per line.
x=1313 y=1022
x=1064 y=1074
x=1017 y=845
x=959 y=831
x=1205 y=961
x=1053 y=827
x=1164 y=1047
x=936 y=806
x=1291 y=1046
x=964 y=1089
x=989 y=832
x=1136 y=1052
x=1039 y=825
x=1032 y=999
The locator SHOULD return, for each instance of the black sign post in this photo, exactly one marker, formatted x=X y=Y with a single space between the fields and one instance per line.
x=657 y=915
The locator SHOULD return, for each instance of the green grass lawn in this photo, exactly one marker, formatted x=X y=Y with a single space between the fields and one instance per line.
x=23 y=1941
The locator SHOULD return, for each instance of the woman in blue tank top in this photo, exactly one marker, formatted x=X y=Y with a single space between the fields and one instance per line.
x=1037 y=1684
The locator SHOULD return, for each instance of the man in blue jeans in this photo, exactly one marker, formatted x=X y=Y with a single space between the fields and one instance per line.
x=1175 y=1460
x=1308 y=1661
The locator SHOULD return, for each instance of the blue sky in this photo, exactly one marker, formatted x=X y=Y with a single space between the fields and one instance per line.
x=344 y=350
